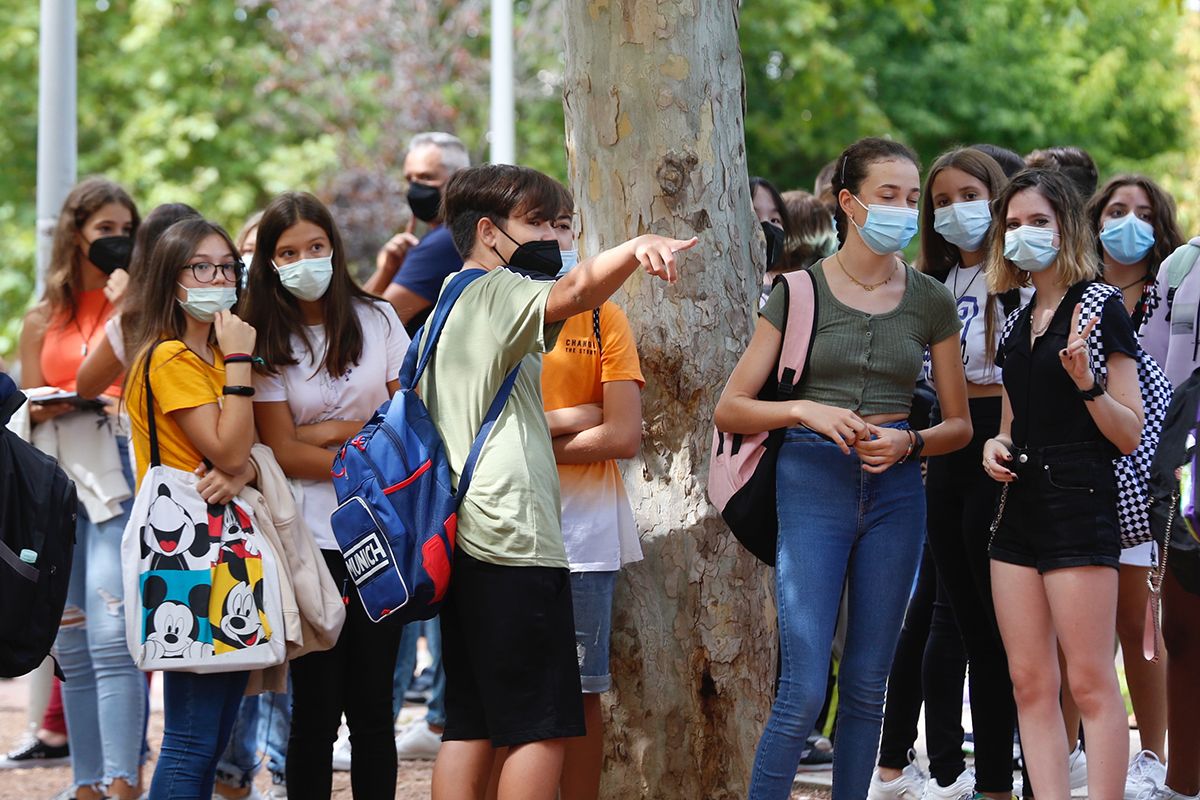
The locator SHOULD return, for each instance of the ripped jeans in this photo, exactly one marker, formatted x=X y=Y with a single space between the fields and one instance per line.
x=104 y=694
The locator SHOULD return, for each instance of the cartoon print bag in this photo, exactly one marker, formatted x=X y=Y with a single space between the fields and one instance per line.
x=201 y=582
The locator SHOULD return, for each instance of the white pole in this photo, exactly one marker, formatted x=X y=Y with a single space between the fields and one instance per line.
x=57 y=144
x=503 y=134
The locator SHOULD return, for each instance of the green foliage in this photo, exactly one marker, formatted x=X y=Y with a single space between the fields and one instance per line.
x=1104 y=75
x=222 y=103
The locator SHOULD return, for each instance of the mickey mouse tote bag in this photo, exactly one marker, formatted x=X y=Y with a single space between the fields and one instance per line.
x=201 y=581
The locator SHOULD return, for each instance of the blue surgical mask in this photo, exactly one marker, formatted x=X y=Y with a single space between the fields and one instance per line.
x=307 y=279
x=569 y=258
x=888 y=228
x=1127 y=239
x=964 y=225
x=1031 y=249
x=203 y=303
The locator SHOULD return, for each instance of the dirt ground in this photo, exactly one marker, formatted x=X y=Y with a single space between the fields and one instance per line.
x=412 y=781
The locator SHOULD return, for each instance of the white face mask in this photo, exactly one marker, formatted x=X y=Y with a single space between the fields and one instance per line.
x=569 y=258
x=1031 y=249
x=964 y=225
x=203 y=303
x=307 y=279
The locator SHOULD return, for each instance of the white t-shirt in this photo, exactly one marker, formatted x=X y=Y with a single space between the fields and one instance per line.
x=116 y=339
x=969 y=287
x=313 y=395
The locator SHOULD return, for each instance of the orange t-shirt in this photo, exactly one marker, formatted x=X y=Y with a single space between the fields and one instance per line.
x=68 y=341
x=598 y=526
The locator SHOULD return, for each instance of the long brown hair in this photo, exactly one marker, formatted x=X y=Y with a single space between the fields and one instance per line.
x=161 y=316
x=63 y=276
x=148 y=233
x=937 y=256
x=275 y=312
x=1167 y=237
x=1077 y=242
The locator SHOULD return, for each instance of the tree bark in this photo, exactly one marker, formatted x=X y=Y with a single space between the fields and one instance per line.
x=655 y=144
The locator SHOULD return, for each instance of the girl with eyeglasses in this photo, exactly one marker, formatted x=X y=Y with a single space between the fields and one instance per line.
x=333 y=355
x=104 y=695
x=203 y=417
x=108 y=360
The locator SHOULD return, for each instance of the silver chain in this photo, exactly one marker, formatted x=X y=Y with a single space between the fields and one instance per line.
x=1154 y=579
x=999 y=515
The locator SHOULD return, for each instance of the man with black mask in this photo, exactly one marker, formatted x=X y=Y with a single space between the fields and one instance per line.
x=432 y=158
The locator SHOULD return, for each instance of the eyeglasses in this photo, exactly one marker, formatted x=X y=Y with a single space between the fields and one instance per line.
x=207 y=273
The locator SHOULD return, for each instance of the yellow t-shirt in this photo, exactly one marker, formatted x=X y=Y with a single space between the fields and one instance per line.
x=598 y=527
x=179 y=379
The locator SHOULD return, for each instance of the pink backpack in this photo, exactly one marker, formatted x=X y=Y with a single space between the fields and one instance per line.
x=741 y=472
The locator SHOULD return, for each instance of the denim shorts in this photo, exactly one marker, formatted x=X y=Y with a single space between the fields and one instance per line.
x=592 y=598
x=1061 y=511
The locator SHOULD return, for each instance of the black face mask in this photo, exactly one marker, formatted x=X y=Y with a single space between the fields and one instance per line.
x=541 y=256
x=425 y=201
x=111 y=253
x=775 y=240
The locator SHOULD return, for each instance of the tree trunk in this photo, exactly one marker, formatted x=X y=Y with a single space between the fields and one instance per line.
x=655 y=144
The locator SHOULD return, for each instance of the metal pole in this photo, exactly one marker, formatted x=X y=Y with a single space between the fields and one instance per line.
x=56 y=149
x=503 y=133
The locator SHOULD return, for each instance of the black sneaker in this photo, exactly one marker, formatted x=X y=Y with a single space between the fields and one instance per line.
x=37 y=754
x=817 y=754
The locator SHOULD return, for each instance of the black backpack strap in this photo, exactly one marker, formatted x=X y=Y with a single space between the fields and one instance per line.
x=596 y=329
x=155 y=459
x=1010 y=301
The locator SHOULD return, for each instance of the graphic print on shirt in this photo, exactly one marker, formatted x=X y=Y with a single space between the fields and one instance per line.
x=968 y=311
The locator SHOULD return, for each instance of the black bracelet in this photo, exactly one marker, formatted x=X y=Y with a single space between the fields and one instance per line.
x=920 y=444
x=242 y=359
x=1091 y=394
x=240 y=391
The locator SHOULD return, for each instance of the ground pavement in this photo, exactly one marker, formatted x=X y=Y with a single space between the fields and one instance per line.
x=412 y=782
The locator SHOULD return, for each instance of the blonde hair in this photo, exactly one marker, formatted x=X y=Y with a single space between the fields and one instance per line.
x=1076 y=259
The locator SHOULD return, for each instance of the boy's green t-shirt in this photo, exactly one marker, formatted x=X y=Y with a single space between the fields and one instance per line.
x=510 y=515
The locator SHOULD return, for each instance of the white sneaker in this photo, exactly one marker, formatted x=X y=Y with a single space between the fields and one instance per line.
x=278 y=792
x=341 y=755
x=1077 y=763
x=909 y=786
x=962 y=789
x=418 y=743
x=1146 y=773
x=1167 y=793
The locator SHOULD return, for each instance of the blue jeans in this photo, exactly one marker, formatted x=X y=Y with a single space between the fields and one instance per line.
x=198 y=716
x=837 y=524
x=406 y=665
x=104 y=694
x=591 y=602
x=264 y=719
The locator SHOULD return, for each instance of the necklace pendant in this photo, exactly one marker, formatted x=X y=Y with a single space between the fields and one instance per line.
x=869 y=288
x=83 y=349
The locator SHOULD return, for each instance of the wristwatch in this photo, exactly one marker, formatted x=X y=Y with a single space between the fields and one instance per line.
x=1091 y=394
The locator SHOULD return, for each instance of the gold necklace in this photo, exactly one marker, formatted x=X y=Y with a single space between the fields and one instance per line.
x=867 y=287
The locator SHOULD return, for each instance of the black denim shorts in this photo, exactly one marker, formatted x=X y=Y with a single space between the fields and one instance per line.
x=508 y=648
x=1061 y=511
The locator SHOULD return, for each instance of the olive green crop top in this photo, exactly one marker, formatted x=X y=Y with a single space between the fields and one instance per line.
x=870 y=363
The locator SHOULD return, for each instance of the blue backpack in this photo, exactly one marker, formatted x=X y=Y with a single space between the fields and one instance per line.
x=398 y=514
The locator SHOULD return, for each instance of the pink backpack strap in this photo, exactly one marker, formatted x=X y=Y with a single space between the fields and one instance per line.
x=797 y=329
